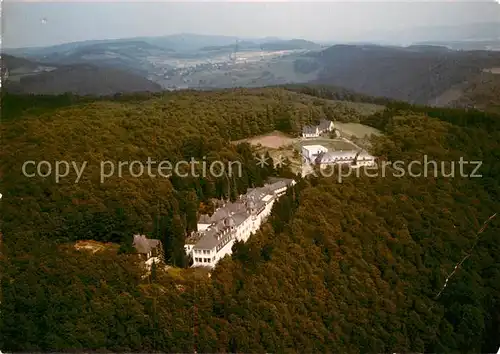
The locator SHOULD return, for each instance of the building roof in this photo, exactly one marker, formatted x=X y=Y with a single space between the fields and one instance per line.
x=314 y=148
x=310 y=129
x=256 y=194
x=339 y=156
x=144 y=245
x=240 y=218
x=234 y=214
x=225 y=211
x=208 y=241
x=272 y=180
x=324 y=124
x=276 y=186
x=211 y=238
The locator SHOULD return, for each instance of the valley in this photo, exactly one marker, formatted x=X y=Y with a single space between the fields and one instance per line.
x=241 y=69
x=421 y=74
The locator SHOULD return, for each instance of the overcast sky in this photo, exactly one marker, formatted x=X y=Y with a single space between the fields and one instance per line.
x=39 y=24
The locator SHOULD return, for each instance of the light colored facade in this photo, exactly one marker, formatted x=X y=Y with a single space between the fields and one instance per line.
x=314 y=131
x=310 y=132
x=325 y=126
x=310 y=152
x=233 y=222
x=353 y=158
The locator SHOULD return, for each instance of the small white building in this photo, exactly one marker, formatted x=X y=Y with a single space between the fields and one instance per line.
x=314 y=131
x=310 y=152
x=325 y=125
x=310 y=131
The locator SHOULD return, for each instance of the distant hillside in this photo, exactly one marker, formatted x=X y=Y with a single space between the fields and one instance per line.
x=412 y=74
x=467 y=45
x=190 y=42
x=481 y=92
x=108 y=48
x=292 y=44
x=128 y=55
x=470 y=32
x=13 y=63
x=69 y=48
x=274 y=45
x=14 y=68
x=30 y=77
x=243 y=45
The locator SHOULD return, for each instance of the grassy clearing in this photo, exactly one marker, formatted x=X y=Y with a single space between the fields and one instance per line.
x=280 y=145
x=95 y=246
x=356 y=129
x=274 y=140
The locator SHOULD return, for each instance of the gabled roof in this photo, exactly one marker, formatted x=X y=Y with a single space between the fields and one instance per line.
x=324 y=124
x=234 y=214
x=309 y=129
x=144 y=245
x=278 y=185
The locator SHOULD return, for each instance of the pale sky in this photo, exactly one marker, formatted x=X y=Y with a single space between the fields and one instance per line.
x=45 y=23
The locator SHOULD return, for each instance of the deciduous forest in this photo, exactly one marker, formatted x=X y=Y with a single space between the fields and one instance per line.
x=343 y=267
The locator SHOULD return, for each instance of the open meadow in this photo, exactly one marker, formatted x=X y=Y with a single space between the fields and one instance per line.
x=356 y=129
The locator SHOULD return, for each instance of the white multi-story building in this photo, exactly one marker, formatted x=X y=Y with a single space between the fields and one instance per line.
x=235 y=221
x=310 y=152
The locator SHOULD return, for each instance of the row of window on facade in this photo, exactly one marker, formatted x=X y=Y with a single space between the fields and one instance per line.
x=202 y=251
x=223 y=243
x=349 y=159
x=204 y=260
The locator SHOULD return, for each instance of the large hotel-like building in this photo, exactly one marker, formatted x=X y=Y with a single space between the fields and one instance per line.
x=234 y=221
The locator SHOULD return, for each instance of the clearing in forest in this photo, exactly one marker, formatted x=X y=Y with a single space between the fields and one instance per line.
x=356 y=129
x=95 y=246
x=273 y=140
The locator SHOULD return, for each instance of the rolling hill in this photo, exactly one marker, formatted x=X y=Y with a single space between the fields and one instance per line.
x=25 y=76
x=481 y=92
x=130 y=55
x=292 y=44
x=419 y=73
x=414 y=74
x=351 y=267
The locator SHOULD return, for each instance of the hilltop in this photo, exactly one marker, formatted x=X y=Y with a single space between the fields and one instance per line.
x=31 y=77
x=413 y=74
x=338 y=267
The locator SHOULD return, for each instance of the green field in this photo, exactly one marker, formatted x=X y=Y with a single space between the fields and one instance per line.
x=356 y=129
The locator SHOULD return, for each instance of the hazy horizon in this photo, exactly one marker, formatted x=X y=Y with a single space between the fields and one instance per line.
x=30 y=24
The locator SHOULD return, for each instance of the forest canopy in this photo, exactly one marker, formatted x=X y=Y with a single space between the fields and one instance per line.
x=338 y=268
